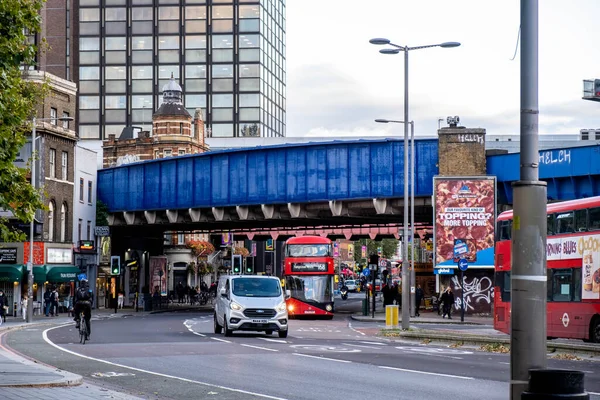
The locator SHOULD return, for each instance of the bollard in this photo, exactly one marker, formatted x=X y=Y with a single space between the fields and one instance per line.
x=555 y=384
x=365 y=307
x=391 y=317
x=15 y=308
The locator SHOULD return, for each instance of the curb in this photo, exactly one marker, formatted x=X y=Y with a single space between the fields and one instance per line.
x=181 y=309
x=363 y=318
x=477 y=339
x=68 y=379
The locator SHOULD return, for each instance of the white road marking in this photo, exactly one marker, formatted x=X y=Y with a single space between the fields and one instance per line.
x=273 y=340
x=199 y=334
x=321 y=358
x=594 y=393
x=377 y=343
x=360 y=345
x=427 y=373
x=51 y=343
x=258 y=347
x=505 y=363
x=352 y=328
x=220 y=340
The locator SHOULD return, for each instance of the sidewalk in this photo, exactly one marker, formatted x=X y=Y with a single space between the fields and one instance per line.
x=427 y=317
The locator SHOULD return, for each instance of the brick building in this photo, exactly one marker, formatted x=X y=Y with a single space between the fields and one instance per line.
x=175 y=133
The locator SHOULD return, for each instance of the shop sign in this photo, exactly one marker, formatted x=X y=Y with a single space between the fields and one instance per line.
x=59 y=256
x=8 y=255
x=87 y=246
x=102 y=231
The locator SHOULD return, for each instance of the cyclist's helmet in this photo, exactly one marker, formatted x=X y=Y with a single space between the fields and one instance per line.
x=84 y=281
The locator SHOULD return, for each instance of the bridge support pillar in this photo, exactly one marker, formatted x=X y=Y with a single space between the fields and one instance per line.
x=269 y=211
x=381 y=206
x=220 y=214
x=129 y=217
x=244 y=213
x=338 y=208
x=150 y=216
x=195 y=214
x=172 y=216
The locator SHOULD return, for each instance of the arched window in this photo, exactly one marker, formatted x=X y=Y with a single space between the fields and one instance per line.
x=63 y=222
x=51 y=221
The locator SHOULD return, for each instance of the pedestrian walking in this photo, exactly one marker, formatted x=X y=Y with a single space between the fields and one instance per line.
x=447 y=302
x=120 y=299
x=54 y=299
x=418 y=299
x=180 y=291
x=24 y=307
x=3 y=305
x=47 y=301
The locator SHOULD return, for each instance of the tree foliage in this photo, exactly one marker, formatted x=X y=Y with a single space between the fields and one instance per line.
x=17 y=104
x=388 y=248
x=101 y=213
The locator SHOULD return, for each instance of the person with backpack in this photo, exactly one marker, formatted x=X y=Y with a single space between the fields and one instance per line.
x=83 y=303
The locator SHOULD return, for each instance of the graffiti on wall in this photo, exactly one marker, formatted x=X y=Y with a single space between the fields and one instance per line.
x=479 y=293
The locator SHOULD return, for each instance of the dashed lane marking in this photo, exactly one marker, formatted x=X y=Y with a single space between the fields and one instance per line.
x=355 y=330
x=427 y=373
x=258 y=347
x=221 y=340
x=377 y=343
x=199 y=334
x=51 y=343
x=362 y=345
x=273 y=340
x=322 y=358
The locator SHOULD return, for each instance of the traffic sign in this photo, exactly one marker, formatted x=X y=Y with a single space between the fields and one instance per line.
x=462 y=264
x=366 y=271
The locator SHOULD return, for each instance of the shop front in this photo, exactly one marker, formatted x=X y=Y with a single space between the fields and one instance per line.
x=62 y=278
x=11 y=279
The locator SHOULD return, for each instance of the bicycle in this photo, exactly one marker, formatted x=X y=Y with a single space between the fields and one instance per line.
x=83 y=329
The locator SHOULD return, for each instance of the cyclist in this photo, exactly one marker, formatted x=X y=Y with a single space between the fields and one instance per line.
x=83 y=303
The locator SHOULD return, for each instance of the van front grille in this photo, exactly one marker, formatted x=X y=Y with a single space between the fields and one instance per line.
x=259 y=312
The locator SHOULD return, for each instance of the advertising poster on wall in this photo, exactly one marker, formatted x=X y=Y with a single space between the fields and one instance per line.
x=158 y=274
x=591 y=275
x=464 y=212
x=8 y=255
x=336 y=249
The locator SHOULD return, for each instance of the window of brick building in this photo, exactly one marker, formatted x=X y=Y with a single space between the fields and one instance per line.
x=53 y=115
x=64 y=165
x=52 y=163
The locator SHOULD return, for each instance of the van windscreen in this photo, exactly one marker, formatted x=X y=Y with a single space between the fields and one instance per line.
x=254 y=287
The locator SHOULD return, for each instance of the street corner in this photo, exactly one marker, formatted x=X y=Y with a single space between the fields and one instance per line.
x=18 y=371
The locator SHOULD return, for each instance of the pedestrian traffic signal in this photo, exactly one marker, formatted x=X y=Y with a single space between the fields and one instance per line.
x=249 y=268
x=237 y=264
x=115 y=265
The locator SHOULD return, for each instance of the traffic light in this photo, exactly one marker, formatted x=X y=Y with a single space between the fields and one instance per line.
x=374 y=259
x=249 y=266
x=115 y=265
x=237 y=264
x=379 y=251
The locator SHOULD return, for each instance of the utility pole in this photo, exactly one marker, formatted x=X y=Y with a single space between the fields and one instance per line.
x=528 y=278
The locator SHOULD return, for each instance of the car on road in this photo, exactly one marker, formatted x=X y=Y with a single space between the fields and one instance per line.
x=250 y=303
x=351 y=285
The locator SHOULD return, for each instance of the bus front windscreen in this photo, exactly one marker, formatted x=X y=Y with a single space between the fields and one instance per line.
x=310 y=289
x=308 y=250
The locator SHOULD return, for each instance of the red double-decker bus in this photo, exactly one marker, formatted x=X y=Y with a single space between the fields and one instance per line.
x=308 y=273
x=573 y=269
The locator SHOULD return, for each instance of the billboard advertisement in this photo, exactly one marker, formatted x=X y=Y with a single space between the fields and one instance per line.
x=158 y=274
x=464 y=211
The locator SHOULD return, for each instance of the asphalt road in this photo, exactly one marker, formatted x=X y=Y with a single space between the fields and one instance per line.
x=176 y=356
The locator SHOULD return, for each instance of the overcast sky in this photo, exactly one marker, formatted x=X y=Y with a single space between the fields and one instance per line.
x=338 y=83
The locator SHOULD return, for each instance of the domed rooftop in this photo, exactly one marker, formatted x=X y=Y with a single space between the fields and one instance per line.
x=172 y=100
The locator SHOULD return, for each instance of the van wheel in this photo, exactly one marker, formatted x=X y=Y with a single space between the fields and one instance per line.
x=218 y=328
x=595 y=330
x=228 y=332
x=283 y=334
x=269 y=332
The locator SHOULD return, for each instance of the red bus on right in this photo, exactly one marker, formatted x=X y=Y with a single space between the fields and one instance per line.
x=573 y=268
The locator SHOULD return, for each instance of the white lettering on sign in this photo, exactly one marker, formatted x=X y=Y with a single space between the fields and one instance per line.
x=128 y=159
x=471 y=138
x=555 y=157
x=468 y=216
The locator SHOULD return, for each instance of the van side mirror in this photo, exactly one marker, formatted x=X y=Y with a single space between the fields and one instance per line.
x=288 y=294
x=223 y=292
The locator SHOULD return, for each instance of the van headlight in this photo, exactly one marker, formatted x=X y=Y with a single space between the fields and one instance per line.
x=328 y=307
x=281 y=308
x=235 y=306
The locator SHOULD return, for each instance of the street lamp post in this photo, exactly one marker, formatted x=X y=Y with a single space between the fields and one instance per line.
x=395 y=50
x=410 y=255
x=29 y=315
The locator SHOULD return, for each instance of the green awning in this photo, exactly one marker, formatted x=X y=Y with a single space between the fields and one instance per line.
x=11 y=273
x=61 y=273
x=39 y=274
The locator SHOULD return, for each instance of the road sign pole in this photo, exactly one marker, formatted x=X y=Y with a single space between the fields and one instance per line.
x=462 y=296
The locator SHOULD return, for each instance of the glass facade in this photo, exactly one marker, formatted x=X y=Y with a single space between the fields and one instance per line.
x=228 y=55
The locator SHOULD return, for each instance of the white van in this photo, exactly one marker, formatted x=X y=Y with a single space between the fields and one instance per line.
x=250 y=303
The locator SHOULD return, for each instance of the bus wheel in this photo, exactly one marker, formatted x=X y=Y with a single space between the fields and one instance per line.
x=595 y=330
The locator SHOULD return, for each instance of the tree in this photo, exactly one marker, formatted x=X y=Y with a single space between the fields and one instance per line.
x=18 y=99
x=101 y=213
x=388 y=248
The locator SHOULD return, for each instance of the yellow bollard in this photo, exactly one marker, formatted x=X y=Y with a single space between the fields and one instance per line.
x=391 y=317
